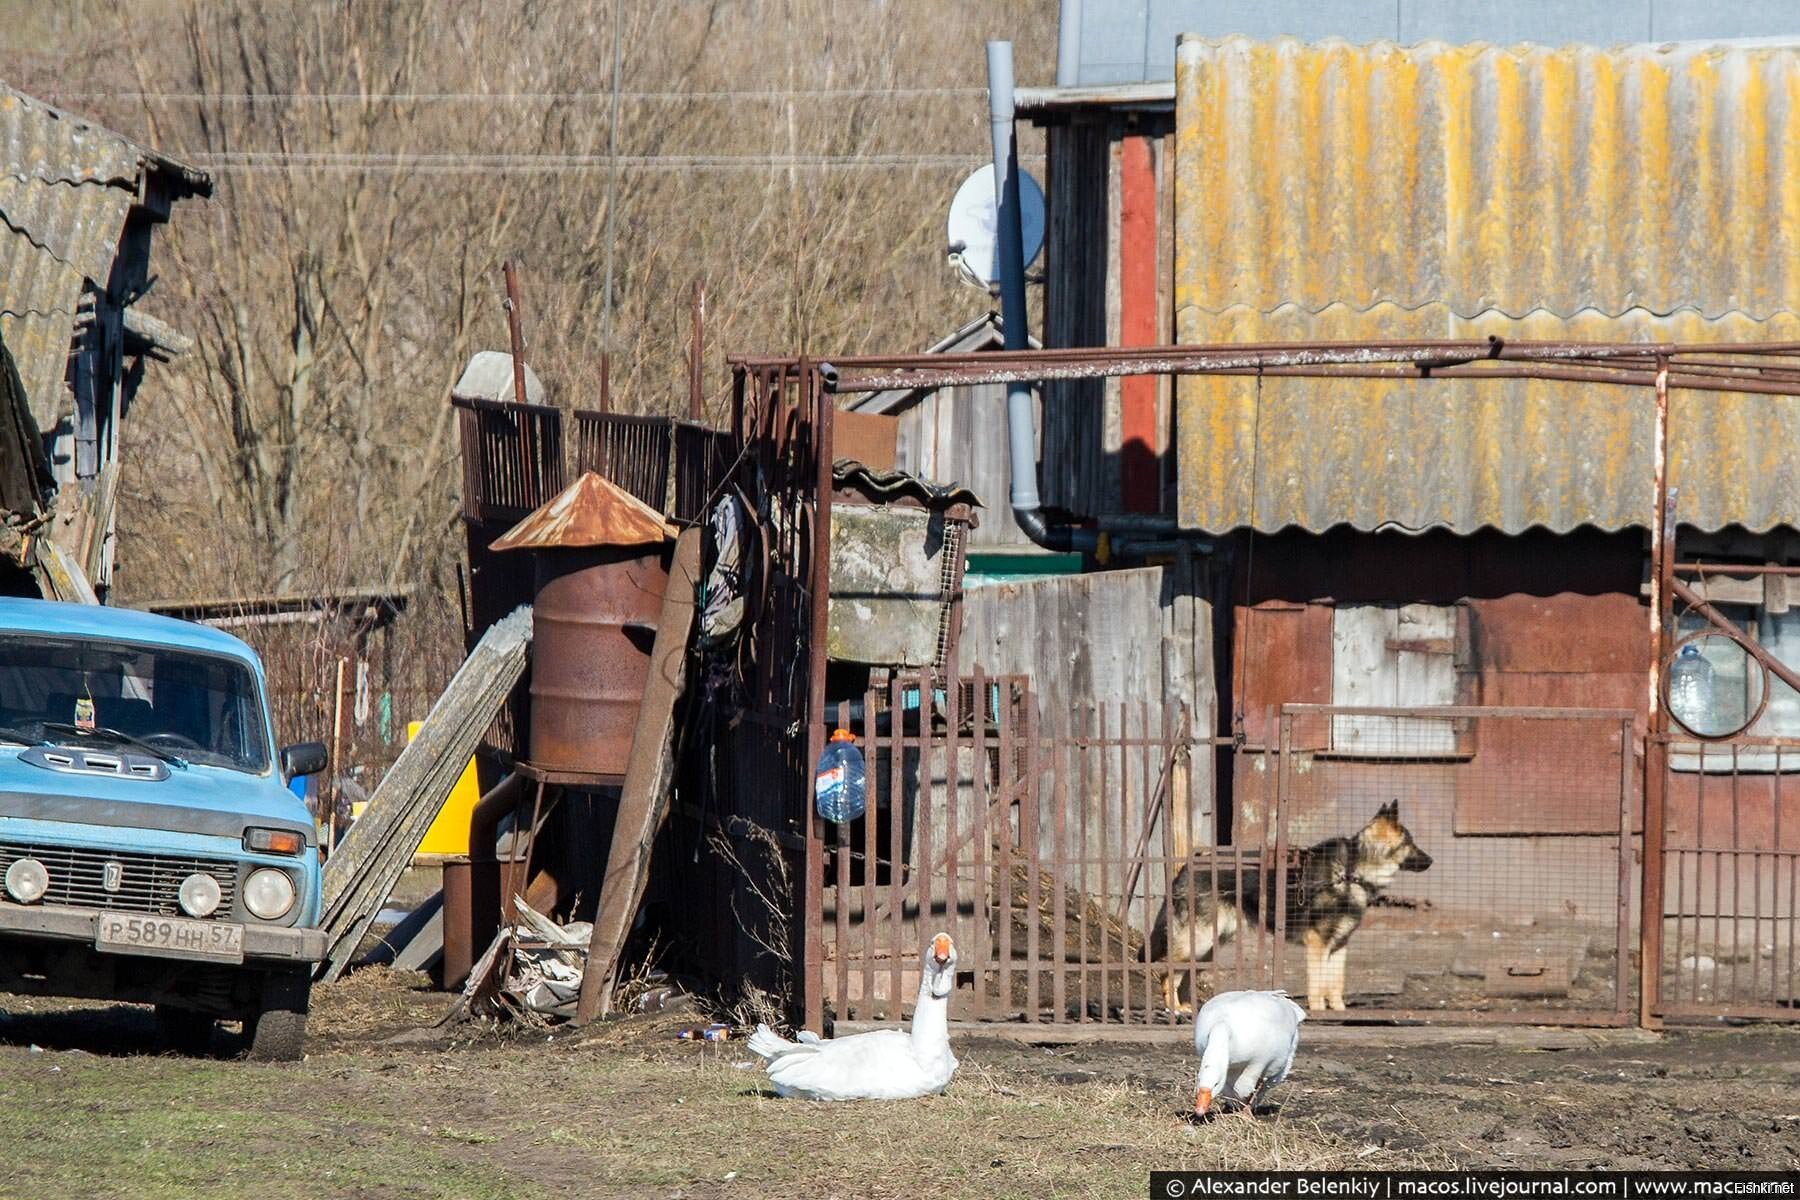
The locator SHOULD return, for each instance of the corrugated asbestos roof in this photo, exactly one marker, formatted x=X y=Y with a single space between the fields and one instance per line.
x=1337 y=191
x=66 y=185
x=882 y=486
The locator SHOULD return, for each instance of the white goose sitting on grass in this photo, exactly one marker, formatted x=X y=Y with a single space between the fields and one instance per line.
x=886 y=1064
x=1246 y=1042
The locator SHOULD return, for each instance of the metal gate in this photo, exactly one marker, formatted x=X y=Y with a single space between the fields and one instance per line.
x=1730 y=884
x=1069 y=854
x=1494 y=851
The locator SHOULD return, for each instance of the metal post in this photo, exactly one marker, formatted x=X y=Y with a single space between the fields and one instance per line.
x=528 y=468
x=696 y=350
x=812 y=971
x=1019 y=416
x=1656 y=746
x=1021 y=419
x=514 y=328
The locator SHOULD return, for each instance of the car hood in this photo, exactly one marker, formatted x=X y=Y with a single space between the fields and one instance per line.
x=205 y=789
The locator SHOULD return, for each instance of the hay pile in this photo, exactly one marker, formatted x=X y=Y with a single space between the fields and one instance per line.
x=1125 y=985
x=1088 y=929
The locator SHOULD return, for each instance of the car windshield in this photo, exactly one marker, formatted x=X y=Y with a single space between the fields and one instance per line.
x=201 y=708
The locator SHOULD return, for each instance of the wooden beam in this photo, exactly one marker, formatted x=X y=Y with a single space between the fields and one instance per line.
x=649 y=779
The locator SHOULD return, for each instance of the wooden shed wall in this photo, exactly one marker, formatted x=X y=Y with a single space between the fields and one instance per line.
x=1141 y=638
x=958 y=436
x=1082 y=435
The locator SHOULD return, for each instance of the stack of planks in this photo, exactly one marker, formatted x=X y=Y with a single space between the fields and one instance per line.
x=373 y=855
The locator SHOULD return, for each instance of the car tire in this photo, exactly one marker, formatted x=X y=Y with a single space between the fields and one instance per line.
x=277 y=1029
x=183 y=1030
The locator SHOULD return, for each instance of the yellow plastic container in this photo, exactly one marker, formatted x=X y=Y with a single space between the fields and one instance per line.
x=449 y=834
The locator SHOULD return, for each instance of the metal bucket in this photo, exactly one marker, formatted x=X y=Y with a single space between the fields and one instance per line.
x=593 y=624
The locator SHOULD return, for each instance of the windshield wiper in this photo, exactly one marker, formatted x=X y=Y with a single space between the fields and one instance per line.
x=12 y=733
x=118 y=736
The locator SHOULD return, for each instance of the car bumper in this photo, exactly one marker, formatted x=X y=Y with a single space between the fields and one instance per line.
x=63 y=923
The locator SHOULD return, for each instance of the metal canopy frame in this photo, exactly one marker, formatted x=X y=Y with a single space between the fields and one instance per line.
x=1757 y=368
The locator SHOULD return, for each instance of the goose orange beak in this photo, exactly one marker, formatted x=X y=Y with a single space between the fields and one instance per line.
x=1202 y=1102
x=940 y=948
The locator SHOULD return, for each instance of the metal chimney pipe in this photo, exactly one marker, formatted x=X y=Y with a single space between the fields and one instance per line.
x=1021 y=421
x=1068 y=44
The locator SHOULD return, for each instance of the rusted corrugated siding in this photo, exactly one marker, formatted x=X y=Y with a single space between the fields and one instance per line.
x=1336 y=191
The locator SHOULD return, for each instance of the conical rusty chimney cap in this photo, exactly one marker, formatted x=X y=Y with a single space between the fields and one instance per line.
x=589 y=512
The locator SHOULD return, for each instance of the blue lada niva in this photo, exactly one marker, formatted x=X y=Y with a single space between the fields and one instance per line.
x=150 y=850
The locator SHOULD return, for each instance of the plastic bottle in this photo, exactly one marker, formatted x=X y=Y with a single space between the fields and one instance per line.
x=1691 y=690
x=838 y=785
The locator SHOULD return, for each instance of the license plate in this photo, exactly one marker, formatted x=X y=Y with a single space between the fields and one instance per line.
x=170 y=937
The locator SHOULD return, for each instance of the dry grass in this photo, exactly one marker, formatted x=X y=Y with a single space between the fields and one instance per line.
x=689 y=1117
x=627 y=1108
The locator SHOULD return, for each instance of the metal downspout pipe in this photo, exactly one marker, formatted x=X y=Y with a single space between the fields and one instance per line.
x=1021 y=422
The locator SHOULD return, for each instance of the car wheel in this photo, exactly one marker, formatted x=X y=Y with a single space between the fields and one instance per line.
x=183 y=1030
x=277 y=1029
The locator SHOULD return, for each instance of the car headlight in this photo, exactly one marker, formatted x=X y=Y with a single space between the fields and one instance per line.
x=27 y=880
x=199 y=895
x=269 y=893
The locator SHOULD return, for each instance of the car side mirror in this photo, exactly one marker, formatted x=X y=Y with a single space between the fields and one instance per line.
x=303 y=758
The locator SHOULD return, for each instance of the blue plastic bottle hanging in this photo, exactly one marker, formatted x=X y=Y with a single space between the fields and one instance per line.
x=838 y=785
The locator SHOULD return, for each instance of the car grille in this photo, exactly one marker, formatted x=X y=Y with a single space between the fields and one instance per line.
x=148 y=883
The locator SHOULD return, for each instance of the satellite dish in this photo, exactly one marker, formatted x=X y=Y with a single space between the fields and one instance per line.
x=974 y=222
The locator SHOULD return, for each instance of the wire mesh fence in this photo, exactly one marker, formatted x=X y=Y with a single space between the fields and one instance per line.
x=1474 y=863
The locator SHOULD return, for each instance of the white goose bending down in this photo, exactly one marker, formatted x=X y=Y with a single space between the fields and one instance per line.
x=1246 y=1042
x=886 y=1064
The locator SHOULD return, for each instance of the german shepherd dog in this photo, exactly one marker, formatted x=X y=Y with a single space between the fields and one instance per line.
x=1327 y=894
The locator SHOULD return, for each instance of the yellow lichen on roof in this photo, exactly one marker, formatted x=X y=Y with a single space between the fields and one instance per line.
x=1338 y=191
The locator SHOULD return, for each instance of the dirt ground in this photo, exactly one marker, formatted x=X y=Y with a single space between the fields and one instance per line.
x=386 y=1104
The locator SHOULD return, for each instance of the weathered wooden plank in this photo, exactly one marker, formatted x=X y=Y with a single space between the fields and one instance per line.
x=1077 y=270
x=649 y=776
x=367 y=863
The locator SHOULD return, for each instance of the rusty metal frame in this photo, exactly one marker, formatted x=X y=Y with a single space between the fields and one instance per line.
x=1771 y=368
x=1021 y=863
x=1766 y=368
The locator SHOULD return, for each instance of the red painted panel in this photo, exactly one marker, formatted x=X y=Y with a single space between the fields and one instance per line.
x=1542 y=777
x=1566 y=634
x=1139 y=474
x=1285 y=659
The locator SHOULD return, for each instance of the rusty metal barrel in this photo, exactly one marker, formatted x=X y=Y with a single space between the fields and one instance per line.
x=600 y=564
x=593 y=622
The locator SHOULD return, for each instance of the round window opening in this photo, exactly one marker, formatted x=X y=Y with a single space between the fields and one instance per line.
x=1713 y=688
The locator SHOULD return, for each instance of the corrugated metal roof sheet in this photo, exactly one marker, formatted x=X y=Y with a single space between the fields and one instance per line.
x=1337 y=191
x=589 y=512
x=66 y=185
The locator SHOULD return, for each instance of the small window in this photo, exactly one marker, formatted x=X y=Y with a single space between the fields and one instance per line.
x=1736 y=684
x=1395 y=656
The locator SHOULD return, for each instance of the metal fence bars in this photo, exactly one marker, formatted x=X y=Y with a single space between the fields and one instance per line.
x=512 y=457
x=1458 y=864
x=672 y=465
x=1731 y=880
